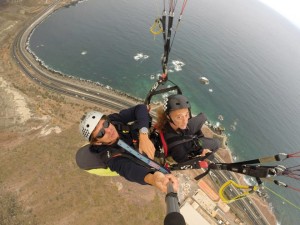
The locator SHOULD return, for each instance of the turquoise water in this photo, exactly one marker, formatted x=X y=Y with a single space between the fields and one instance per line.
x=249 y=53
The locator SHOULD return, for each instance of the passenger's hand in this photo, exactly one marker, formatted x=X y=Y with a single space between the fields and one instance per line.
x=174 y=182
x=160 y=181
x=205 y=151
x=146 y=146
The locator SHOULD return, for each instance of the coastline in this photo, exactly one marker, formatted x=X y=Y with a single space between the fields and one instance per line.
x=225 y=154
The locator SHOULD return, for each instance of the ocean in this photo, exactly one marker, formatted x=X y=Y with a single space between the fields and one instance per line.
x=249 y=53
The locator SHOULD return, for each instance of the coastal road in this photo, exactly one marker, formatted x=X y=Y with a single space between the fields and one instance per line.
x=243 y=207
x=67 y=85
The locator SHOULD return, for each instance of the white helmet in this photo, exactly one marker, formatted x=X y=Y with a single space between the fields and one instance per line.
x=88 y=123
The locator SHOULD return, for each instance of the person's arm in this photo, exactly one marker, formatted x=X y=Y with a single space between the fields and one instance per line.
x=129 y=169
x=146 y=145
x=160 y=181
x=134 y=172
x=195 y=123
x=138 y=113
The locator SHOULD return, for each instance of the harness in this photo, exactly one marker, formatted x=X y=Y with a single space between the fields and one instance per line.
x=162 y=149
x=175 y=140
x=127 y=132
x=170 y=140
x=97 y=156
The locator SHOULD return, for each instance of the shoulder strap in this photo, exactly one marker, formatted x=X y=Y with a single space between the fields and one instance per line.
x=163 y=142
x=150 y=163
x=87 y=159
x=174 y=140
x=127 y=129
x=121 y=127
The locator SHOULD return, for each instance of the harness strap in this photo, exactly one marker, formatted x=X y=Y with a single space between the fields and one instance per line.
x=132 y=158
x=175 y=140
x=257 y=171
x=202 y=175
x=141 y=157
x=130 y=130
x=163 y=142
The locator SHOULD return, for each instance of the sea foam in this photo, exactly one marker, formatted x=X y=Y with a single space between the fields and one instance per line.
x=177 y=65
x=140 y=56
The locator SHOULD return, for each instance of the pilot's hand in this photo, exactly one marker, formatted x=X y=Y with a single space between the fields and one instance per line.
x=146 y=146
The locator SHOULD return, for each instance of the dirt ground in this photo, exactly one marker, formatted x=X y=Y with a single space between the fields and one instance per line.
x=39 y=180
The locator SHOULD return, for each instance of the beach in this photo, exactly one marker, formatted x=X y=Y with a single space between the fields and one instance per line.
x=24 y=106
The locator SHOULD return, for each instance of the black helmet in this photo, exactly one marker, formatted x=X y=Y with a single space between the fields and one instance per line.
x=174 y=102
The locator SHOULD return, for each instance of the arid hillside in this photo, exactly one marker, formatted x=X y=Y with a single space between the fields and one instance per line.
x=39 y=180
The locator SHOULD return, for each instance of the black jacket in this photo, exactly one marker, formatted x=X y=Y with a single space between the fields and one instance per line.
x=182 y=152
x=126 y=167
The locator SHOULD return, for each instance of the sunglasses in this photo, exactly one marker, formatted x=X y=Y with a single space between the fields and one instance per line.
x=101 y=133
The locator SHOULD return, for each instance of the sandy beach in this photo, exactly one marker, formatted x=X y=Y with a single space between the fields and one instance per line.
x=26 y=115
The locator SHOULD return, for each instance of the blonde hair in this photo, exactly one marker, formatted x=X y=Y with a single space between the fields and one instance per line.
x=162 y=119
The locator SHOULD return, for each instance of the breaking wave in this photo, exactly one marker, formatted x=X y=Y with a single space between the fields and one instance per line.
x=140 y=56
x=177 y=65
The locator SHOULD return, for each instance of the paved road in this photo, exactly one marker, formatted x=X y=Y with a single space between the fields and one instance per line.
x=65 y=85
x=244 y=207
